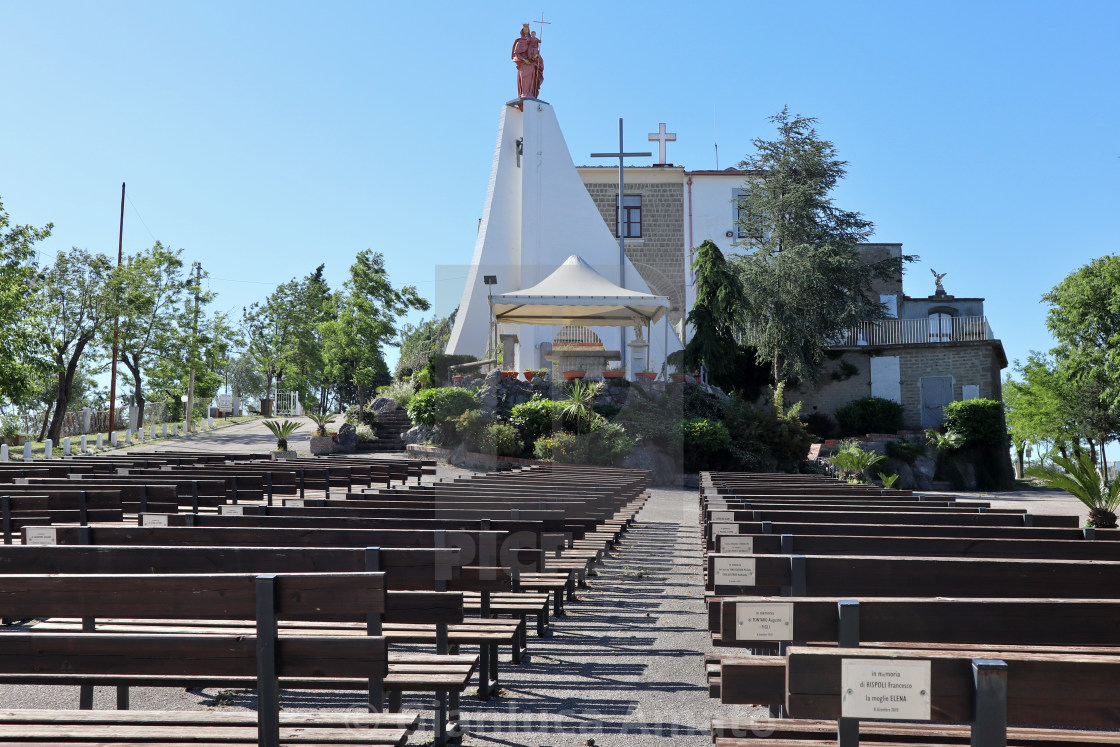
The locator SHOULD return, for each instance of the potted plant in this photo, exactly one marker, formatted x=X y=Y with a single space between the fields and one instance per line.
x=542 y=373
x=574 y=374
x=529 y=373
x=614 y=373
x=647 y=375
x=321 y=442
x=282 y=430
x=456 y=380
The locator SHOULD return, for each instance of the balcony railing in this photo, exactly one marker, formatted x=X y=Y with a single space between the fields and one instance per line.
x=915 y=331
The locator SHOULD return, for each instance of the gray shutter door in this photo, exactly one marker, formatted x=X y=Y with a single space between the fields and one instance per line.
x=937 y=391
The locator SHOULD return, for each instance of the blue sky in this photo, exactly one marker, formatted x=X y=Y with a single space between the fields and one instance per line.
x=266 y=138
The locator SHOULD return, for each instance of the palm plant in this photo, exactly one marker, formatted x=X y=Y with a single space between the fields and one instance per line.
x=888 y=480
x=1081 y=480
x=282 y=430
x=854 y=461
x=322 y=420
x=579 y=407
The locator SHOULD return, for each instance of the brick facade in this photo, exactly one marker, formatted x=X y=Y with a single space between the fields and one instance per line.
x=977 y=363
x=658 y=255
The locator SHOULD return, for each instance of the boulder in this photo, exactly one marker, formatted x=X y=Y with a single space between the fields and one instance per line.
x=418 y=434
x=346 y=440
x=383 y=404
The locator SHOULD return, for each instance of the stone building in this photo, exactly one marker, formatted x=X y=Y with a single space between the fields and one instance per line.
x=931 y=351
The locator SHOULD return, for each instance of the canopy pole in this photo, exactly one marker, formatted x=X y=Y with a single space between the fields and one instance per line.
x=665 y=350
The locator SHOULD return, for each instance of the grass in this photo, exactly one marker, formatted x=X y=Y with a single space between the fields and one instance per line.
x=39 y=448
x=628 y=572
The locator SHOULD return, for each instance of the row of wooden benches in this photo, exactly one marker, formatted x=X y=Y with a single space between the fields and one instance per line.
x=422 y=565
x=886 y=605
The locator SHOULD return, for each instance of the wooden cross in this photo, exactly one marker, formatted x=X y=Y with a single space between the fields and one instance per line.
x=542 y=24
x=662 y=137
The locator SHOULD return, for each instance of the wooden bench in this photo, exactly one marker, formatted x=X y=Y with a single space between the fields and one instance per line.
x=264 y=659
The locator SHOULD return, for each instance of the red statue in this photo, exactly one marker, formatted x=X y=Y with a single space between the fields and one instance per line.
x=530 y=66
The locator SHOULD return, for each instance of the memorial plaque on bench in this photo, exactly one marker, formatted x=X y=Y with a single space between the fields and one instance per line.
x=154 y=520
x=723 y=516
x=231 y=510
x=719 y=530
x=885 y=689
x=736 y=543
x=764 y=622
x=293 y=503
x=734 y=571
x=40 y=536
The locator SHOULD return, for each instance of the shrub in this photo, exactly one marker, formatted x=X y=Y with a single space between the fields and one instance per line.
x=400 y=392
x=561 y=447
x=821 y=424
x=610 y=443
x=537 y=418
x=907 y=451
x=365 y=432
x=425 y=379
x=701 y=404
x=765 y=438
x=438 y=407
x=501 y=439
x=606 y=444
x=360 y=416
x=706 y=444
x=978 y=422
x=467 y=429
x=869 y=415
x=856 y=462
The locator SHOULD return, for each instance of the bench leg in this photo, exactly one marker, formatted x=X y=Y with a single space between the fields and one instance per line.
x=493 y=672
x=122 y=697
x=439 y=738
x=542 y=623
x=395 y=701
x=484 y=672
x=85 y=697
x=570 y=587
x=376 y=695
x=558 y=603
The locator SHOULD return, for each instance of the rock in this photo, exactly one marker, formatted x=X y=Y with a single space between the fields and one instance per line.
x=458 y=456
x=494 y=378
x=383 y=404
x=905 y=475
x=347 y=438
x=925 y=467
x=418 y=434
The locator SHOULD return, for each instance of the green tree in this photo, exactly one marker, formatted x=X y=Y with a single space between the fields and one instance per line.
x=367 y=319
x=146 y=290
x=716 y=314
x=1084 y=317
x=22 y=346
x=418 y=343
x=76 y=308
x=803 y=278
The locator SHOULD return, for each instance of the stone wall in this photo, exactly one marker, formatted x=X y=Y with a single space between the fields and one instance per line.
x=658 y=254
x=967 y=362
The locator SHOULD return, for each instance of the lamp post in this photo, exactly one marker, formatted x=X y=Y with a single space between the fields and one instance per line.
x=490 y=281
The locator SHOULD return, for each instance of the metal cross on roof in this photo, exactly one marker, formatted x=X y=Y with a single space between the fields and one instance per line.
x=661 y=137
x=621 y=154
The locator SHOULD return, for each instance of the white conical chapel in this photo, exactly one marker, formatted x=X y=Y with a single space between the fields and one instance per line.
x=537 y=214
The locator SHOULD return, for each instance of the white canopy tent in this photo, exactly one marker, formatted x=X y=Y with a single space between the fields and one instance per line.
x=576 y=295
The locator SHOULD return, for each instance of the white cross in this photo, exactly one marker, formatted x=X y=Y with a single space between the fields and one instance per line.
x=662 y=137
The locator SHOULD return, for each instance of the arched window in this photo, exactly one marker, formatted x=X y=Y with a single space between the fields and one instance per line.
x=940 y=326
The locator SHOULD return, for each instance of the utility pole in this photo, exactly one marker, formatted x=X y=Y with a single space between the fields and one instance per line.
x=194 y=349
x=116 y=329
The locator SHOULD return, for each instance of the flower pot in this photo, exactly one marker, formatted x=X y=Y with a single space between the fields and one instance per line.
x=678 y=377
x=647 y=375
x=574 y=374
x=456 y=380
x=509 y=374
x=321 y=445
x=529 y=375
x=613 y=374
x=284 y=455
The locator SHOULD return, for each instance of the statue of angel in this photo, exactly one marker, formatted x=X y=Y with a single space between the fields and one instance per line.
x=937 y=279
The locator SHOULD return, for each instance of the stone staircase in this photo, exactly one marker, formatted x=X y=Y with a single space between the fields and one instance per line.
x=391 y=425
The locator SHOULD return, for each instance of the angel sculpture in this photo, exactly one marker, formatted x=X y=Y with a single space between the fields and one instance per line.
x=937 y=279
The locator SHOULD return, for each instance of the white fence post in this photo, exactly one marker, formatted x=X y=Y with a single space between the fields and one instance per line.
x=83 y=443
x=48 y=449
x=66 y=446
x=113 y=439
x=3 y=452
x=99 y=441
x=27 y=451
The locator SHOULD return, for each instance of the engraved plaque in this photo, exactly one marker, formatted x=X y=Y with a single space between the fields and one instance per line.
x=718 y=530
x=764 y=622
x=230 y=509
x=40 y=536
x=733 y=571
x=735 y=543
x=292 y=503
x=885 y=689
x=155 y=520
x=723 y=516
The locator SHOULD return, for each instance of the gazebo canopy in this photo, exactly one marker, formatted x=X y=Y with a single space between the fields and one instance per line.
x=575 y=294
